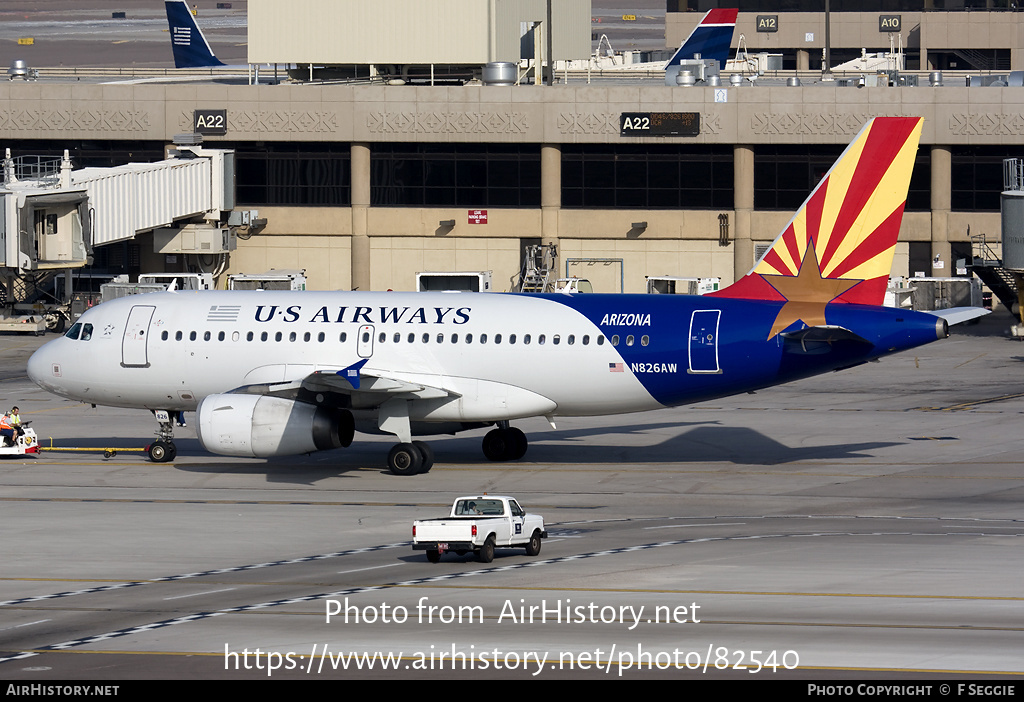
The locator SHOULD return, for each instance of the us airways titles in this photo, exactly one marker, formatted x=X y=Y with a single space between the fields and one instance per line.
x=366 y=315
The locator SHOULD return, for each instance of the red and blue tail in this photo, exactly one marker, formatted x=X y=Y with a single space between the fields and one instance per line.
x=711 y=38
x=839 y=246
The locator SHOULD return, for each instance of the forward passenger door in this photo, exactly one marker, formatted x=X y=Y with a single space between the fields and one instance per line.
x=134 y=344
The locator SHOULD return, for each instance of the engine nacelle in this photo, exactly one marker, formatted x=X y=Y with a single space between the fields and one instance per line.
x=260 y=426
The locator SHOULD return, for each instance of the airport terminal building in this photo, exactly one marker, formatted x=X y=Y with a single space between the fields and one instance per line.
x=978 y=35
x=366 y=185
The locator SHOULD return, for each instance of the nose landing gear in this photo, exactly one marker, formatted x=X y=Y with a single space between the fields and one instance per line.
x=163 y=450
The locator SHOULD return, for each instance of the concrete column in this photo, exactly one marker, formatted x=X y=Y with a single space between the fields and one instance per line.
x=803 y=60
x=743 y=201
x=360 y=176
x=922 y=37
x=550 y=192
x=942 y=198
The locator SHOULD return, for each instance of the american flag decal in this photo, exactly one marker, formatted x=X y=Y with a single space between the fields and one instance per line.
x=615 y=368
x=223 y=313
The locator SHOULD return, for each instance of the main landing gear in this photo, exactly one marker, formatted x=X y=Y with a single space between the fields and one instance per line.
x=411 y=458
x=505 y=443
x=502 y=444
x=163 y=450
x=408 y=457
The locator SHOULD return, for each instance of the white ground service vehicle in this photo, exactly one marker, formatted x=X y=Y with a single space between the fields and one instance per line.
x=26 y=443
x=479 y=523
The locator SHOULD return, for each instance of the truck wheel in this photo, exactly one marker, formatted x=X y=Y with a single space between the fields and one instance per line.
x=533 y=546
x=434 y=556
x=486 y=553
x=55 y=322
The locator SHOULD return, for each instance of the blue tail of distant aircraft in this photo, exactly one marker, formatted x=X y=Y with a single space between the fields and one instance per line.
x=191 y=50
x=711 y=38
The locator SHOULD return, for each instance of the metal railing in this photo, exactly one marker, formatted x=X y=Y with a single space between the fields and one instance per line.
x=1013 y=174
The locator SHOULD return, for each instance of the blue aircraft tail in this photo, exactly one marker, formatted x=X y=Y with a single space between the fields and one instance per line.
x=711 y=38
x=191 y=50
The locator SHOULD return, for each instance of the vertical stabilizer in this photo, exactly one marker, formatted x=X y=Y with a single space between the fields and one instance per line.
x=191 y=50
x=840 y=244
x=711 y=38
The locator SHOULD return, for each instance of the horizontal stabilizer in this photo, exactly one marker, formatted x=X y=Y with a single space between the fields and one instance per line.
x=959 y=315
x=820 y=339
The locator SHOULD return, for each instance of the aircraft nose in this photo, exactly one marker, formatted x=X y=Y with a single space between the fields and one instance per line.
x=41 y=367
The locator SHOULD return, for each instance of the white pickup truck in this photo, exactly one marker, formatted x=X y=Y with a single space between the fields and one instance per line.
x=479 y=523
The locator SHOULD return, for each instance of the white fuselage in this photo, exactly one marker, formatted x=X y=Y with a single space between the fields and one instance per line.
x=496 y=356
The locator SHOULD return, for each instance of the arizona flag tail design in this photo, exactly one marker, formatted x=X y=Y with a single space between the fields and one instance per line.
x=711 y=38
x=190 y=48
x=839 y=246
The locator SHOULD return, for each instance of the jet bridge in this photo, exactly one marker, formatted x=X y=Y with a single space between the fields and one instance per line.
x=51 y=217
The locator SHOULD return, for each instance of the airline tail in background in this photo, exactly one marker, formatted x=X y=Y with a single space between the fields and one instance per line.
x=191 y=50
x=711 y=38
x=839 y=246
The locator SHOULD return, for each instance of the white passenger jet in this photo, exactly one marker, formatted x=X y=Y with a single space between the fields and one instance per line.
x=284 y=373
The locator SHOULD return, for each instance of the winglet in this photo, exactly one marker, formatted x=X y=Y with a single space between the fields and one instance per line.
x=711 y=38
x=840 y=244
x=351 y=374
x=190 y=48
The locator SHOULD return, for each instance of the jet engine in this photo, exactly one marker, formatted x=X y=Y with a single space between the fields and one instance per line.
x=259 y=426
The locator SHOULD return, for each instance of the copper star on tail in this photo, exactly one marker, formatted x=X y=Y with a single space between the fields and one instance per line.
x=806 y=293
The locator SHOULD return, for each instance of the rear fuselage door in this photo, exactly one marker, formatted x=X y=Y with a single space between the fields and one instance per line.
x=136 y=333
x=704 y=341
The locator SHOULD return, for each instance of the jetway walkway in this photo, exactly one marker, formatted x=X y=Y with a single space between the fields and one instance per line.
x=51 y=216
x=138 y=197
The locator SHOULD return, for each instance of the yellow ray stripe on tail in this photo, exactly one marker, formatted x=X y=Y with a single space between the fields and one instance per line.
x=886 y=198
x=839 y=182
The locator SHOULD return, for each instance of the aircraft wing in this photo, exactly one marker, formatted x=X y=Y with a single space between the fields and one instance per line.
x=363 y=389
x=368 y=386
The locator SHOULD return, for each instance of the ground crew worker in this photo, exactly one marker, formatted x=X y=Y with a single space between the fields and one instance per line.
x=7 y=430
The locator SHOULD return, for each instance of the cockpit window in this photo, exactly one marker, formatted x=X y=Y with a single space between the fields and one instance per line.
x=79 y=331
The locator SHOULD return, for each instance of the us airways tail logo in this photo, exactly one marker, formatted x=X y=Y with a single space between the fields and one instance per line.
x=182 y=36
x=839 y=246
x=364 y=315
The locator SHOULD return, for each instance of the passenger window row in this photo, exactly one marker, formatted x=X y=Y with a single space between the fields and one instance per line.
x=382 y=337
